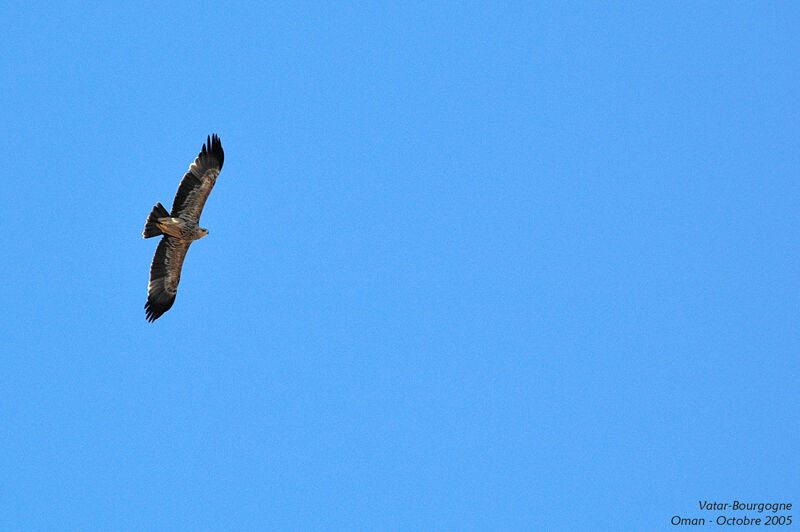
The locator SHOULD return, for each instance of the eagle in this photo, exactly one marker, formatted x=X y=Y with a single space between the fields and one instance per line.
x=179 y=228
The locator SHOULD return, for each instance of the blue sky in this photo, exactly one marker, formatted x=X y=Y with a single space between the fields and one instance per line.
x=470 y=266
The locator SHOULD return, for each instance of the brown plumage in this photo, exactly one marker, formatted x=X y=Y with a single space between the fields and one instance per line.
x=179 y=227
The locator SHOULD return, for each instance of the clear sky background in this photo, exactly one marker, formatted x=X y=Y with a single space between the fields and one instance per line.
x=470 y=266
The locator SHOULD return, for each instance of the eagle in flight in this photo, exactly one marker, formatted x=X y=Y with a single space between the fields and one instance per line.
x=179 y=228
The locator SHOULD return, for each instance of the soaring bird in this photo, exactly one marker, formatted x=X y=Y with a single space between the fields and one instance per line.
x=179 y=227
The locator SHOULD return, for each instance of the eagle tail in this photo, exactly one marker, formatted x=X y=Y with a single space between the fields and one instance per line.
x=151 y=228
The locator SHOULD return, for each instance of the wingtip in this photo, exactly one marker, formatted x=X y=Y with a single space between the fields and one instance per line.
x=215 y=148
x=150 y=314
x=158 y=303
x=212 y=150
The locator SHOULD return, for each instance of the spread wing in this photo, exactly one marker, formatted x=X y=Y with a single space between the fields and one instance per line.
x=198 y=181
x=165 y=274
